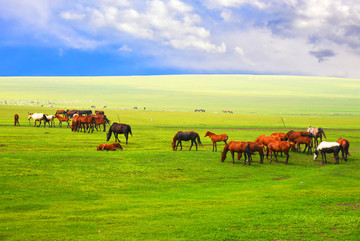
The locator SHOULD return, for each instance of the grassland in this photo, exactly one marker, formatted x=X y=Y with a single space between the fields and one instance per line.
x=56 y=186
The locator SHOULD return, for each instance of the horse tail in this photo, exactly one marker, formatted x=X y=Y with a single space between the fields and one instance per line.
x=129 y=129
x=322 y=132
x=248 y=151
x=106 y=119
x=223 y=154
x=198 y=139
x=226 y=138
x=346 y=147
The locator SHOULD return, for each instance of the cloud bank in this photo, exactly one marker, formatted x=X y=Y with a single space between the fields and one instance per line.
x=299 y=37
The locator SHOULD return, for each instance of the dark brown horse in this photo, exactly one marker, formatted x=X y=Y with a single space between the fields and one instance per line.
x=185 y=136
x=16 y=120
x=117 y=128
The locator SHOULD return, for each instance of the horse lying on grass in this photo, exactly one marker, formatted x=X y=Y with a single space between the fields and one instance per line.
x=110 y=147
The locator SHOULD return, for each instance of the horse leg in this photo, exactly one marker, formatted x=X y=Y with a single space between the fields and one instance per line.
x=195 y=144
x=275 y=154
x=180 y=145
x=214 y=145
x=261 y=157
x=287 y=157
x=337 y=158
x=306 y=146
x=267 y=152
x=126 y=137
x=232 y=155
x=191 y=144
x=245 y=157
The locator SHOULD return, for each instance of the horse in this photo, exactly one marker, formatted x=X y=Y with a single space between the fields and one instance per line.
x=346 y=144
x=74 y=123
x=99 y=112
x=255 y=147
x=60 y=112
x=279 y=146
x=49 y=119
x=86 y=122
x=36 y=117
x=281 y=135
x=117 y=128
x=292 y=135
x=316 y=132
x=303 y=140
x=63 y=119
x=185 y=136
x=216 y=138
x=328 y=147
x=239 y=147
x=101 y=120
x=265 y=140
x=16 y=120
x=110 y=147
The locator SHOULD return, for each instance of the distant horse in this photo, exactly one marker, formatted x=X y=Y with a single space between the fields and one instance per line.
x=110 y=147
x=346 y=144
x=303 y=140
x=117 y=128
x=50 y=119
x=239 y=147
x=16 y=120
x=63 y=119
x=216 y=138
x=185 y=136
x=36 y=117
x=255 y=147
x=316 y=132
x=279 y=146
x=329 y=147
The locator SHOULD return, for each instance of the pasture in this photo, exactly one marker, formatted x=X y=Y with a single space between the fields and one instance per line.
x=56 y=186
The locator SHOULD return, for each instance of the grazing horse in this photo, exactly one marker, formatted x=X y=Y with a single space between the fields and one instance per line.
x=110 y=147
x=63 y=119
x=74 y=123
x=117 y=128
x=85 y=122
x=255 y=147
x=304 y=140
x=36 y=117
x=346 y=144
x=50 y=119
x=329 y=147
x=185 y=136
x=279 y=146
x=316 y=132
x=239 y=147
x=265 y=140
x=60 y=112
x=16 y=120
x=216 y=138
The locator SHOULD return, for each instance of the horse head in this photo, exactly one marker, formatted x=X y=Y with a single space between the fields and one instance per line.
x=173 y=145
x=207 y=134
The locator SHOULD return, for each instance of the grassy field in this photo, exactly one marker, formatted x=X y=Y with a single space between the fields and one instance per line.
x=56 y=186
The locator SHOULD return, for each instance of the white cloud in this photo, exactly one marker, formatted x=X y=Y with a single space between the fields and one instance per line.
x=72 y=16
x=125 y=48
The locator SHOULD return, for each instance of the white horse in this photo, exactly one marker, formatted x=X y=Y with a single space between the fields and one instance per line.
x=36 y=117
x=49 y=119
x=329 y=147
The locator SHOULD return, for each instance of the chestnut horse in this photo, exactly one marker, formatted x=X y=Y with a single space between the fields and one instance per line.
x=346 y=144
x=304 y=140
x=185 y=136
x=63 y=119
x=16 y=120
x=279 y=146
x=255 y=147
x=101 y=120
x=281 y=135
x=110 y=147
x=216 y=138
x=265 y=140
x=239 y=147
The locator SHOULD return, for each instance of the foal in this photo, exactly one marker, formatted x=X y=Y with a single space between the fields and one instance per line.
x=63 y=119
x=216 y=138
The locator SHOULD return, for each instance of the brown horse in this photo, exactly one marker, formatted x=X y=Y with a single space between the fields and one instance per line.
x=85 y=122
x=101 y=120
x=281 y=135
x=265 y=140
x=16 y=120
x=291 y=135
x=110 y=147
x=303 y=140
x=216 y=138
x=279 y=146
x=346 y=144
x=117 y=128
x=239 y=147
x=255 y=147
x=63 y=119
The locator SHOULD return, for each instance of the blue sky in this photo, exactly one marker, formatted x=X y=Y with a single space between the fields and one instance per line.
x=123 y=37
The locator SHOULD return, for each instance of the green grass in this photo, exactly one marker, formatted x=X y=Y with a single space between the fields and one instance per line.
x=56 y=186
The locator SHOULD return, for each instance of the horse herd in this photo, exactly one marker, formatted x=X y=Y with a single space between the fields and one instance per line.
x=273 y=144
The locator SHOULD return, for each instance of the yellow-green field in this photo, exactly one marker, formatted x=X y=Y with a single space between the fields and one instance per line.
x=56 y=186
